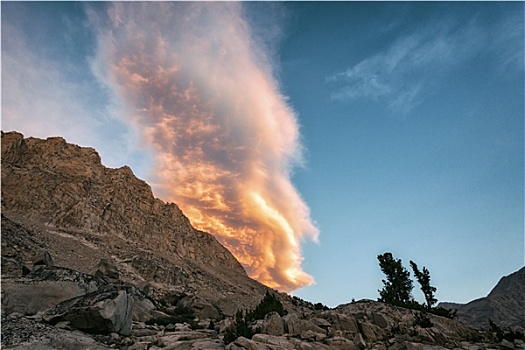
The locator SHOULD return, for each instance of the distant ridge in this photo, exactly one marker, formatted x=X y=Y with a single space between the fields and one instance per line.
x=504 y=305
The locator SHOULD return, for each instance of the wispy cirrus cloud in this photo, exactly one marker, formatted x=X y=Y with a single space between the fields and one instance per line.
x=403 y=75
x=194 y=80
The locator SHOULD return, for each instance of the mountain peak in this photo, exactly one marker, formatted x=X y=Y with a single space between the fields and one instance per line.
x=65 y=190
x=511 y=284
x=503 y=305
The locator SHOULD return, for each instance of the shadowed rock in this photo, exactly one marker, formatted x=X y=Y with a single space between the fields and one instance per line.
x=45 y=287
x=103 y=312
x=106 y=270
x=43 y=258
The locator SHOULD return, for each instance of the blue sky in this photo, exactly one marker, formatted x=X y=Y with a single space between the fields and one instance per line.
x=401 y=126
x=412 y=115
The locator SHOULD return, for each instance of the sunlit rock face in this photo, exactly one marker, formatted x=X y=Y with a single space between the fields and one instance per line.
x=83 y=212
x=66 y=186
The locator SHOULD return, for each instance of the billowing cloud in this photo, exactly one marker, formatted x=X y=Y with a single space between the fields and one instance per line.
x=192 y=78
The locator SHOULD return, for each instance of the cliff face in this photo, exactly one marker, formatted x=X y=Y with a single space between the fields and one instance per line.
x=66 y=186
x=71 y=200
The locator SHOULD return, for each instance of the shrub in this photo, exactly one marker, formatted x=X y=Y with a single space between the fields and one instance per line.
x=243 y=319
x=320 y=306
x=270 y=303
x=439 y=311
x=181 y=314
x=507 y=334
x=240 y=328
x=422 y=320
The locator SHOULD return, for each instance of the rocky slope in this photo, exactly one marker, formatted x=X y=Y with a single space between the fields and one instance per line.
x=91 y=260
x=504 y=305
x=83 y=211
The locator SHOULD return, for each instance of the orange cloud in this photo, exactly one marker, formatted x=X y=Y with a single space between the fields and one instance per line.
x=190 y=77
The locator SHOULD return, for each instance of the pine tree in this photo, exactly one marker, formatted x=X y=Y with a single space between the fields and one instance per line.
x=242 y=324
x=241 y=327
x=398 y=286
x=423 y=278
x=269 y=303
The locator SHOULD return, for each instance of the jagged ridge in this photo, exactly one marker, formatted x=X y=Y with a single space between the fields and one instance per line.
x=67 y=186
x=83 y=211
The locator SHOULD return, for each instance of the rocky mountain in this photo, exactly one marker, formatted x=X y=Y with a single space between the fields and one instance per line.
x=84 y=212
x=504 y=305
x=91 y=260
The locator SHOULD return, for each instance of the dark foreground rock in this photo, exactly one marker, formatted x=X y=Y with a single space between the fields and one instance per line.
x=104 y=312
x=45 y=287
x=109 y=315
x=356 y=326
x=22 y=333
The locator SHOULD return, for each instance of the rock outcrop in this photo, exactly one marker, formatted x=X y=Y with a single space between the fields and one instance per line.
x=22 y=333
x=101 y=312
x=44 y=288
